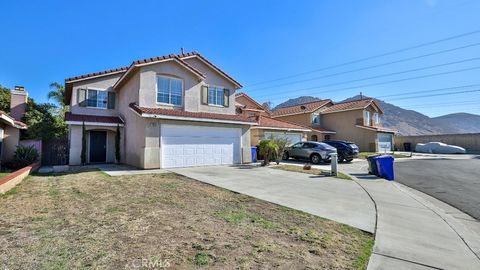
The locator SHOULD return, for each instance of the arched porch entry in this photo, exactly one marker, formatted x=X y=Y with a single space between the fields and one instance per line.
x=100 y=144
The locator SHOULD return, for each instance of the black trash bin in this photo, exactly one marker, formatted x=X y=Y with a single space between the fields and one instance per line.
x=372 y=164
x=407 y=147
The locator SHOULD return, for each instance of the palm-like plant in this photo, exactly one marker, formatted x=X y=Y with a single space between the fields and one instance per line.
x=57 y=93
x=267 y=149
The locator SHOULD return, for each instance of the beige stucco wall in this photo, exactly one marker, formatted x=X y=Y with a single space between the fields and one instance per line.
x=75 y=138
x=101 y=83
x=133 y=140
x=471 y=142
x=191 y=86
x=11 y=139
x=344 y=124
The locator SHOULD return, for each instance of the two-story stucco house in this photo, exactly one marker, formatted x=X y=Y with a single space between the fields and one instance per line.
x=172 y=111
x=358 y=121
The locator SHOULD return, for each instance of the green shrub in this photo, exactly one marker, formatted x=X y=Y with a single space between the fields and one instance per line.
x=25 y=155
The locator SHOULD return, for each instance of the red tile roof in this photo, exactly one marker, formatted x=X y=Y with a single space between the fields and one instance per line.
x=92 y=118
x=166 y=57
x=194 y=53
x=301 y=108
x=352 y=105
x=94 y=74
x=264 y=121
x=179 y=113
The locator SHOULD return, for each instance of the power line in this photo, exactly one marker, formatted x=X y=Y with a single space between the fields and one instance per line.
x=385 y=75
x=371 y=57
x=430 y=90
x=394 y=81
x=368 y=67
x=435 y=95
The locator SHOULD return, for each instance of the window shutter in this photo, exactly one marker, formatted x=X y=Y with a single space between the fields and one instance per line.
x=226 y=97
x=204 y=95
x=111 y=100
x=82 y=97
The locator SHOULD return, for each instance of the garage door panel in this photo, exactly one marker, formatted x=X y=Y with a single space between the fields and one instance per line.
x=208 y=146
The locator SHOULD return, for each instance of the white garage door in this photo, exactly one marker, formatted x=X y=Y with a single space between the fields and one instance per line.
x=292 y=137
x=188 y=146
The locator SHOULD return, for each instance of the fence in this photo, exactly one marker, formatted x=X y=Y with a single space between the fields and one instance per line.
x=36 y=143
x=469 y=141
x=55 y=152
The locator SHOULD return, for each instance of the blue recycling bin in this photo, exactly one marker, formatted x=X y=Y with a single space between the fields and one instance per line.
x=385 y=167
x=372 y=164
x=254 y=154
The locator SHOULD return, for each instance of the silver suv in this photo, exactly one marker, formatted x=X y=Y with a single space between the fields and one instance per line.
x=313 y=151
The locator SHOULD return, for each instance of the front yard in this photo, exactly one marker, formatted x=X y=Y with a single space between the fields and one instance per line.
x=90 y=220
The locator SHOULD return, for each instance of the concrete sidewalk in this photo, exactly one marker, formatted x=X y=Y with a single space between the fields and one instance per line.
x=339 y=200
x=414 y=230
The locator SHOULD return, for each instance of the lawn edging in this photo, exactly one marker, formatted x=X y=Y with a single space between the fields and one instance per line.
x=9 y=181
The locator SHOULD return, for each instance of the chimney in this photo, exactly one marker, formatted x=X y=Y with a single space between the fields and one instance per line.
x=18 y=102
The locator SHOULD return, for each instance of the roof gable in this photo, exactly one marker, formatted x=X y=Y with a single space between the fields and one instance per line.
x=353 y=105
x=156 y=60
x=194 y=54
x=246 y=101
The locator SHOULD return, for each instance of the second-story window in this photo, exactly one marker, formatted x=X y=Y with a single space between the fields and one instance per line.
x=94 y=98
x=97 y=99
x=368 y=118
x=169 y=90
x=376 y=118
x=316 y=119
x=215 y=96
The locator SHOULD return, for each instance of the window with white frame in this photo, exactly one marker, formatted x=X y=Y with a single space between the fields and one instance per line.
x=169 y=90
x=97 y=98
x=215 y=96
x=368 y=118
x=316 y=118
x=376 y=118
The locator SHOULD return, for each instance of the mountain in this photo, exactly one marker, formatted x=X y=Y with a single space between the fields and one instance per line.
x=296 y=101
x=410 y=122
x=460 y=122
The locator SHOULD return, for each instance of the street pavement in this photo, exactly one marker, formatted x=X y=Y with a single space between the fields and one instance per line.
x=453 y=181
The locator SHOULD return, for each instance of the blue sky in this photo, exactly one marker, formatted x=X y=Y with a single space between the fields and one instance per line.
x=256 y=41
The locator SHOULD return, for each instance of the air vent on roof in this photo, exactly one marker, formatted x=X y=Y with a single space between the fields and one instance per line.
x=303 y=107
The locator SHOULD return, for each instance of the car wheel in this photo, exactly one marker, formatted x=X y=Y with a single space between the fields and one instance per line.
x=349 y=160
x=285 y=156
x=315 y=158
x=340 y=158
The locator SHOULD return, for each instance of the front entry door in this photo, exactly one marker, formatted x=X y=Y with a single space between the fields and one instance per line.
x=98 y=146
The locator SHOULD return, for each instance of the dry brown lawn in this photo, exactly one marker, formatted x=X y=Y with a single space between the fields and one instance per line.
x=88 y=220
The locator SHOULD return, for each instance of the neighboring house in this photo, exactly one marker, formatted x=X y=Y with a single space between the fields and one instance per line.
x=172 y=111
x=267 y=126
x=10 y=124
x=358 y=121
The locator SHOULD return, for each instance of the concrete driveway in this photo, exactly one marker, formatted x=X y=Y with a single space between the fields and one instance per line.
x=339 y=200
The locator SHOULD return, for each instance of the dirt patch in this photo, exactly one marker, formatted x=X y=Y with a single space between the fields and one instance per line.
x=89 y=220
x=314 y=171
